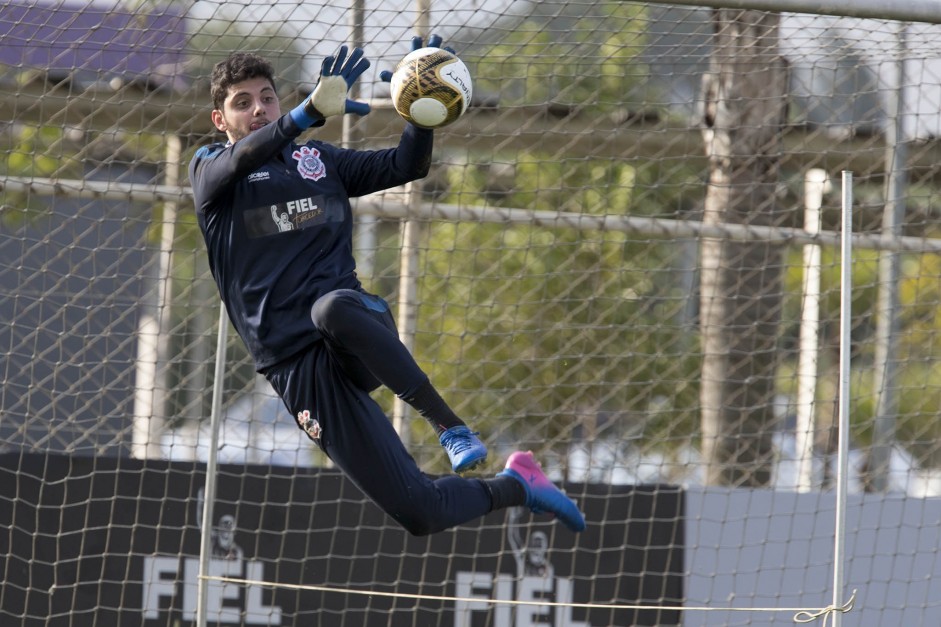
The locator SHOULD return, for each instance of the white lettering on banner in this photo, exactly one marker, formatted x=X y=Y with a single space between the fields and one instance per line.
x=158 y=582
x=162 y=586
x=295 y=207
x=489 y=587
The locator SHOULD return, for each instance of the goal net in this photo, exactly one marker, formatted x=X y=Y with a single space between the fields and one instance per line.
x=625 y=258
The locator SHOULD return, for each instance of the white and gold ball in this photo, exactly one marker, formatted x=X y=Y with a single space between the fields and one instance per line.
x=431 y=87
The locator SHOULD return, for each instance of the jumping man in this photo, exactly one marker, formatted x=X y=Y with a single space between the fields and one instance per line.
x=278 y=226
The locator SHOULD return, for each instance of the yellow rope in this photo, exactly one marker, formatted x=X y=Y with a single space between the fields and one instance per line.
x=803 y=615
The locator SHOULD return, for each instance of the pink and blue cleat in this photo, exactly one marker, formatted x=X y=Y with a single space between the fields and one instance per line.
x=542 y=496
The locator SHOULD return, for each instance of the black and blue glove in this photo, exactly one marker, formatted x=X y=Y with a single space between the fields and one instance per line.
x=337 y=76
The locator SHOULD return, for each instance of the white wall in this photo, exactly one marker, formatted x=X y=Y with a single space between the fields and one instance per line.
x=762 y=548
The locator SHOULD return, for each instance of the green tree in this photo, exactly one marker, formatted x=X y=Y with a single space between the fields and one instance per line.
x=574 y=334
x=588 y=62
x=570 y=330
x=919 y=377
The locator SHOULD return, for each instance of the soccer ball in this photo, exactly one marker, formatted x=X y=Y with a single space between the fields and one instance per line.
x=431 y=87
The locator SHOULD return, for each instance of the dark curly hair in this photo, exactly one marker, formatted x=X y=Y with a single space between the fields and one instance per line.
x=237 y=67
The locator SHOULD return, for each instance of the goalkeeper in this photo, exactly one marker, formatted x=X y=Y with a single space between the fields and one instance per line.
x=277 y=222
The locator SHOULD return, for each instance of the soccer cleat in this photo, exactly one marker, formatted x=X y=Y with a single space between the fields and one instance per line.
x=464 y=449
x=542 y=497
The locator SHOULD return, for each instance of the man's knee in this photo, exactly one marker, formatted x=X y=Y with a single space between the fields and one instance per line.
x=331 y=308
x=350 y=311
x=418 y=523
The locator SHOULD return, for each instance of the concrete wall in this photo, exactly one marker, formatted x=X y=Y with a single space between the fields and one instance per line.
x=750 y=548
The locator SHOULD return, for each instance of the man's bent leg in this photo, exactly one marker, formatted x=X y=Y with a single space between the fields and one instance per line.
x=361 y=334
x=358 y=437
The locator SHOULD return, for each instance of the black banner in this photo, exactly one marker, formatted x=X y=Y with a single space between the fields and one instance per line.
x=114 y=541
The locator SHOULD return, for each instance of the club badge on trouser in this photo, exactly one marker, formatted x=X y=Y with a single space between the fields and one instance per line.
x=309 y=424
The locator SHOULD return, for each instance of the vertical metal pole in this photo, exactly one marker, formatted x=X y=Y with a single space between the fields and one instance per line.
x=407 y=307
x=357 y=17
x=846 y=302
x=816 y=183
x=367 y=225
x=408 y=261
x=215 y=418
x=204 y=289
x=150 y=395
x=887 y=303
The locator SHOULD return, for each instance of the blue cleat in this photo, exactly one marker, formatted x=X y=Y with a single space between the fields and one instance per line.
x=464 y=449
x=542 y=497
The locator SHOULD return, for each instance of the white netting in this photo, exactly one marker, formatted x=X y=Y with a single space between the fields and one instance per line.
x=611 y=260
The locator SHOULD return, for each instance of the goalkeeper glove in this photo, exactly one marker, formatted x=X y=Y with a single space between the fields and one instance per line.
x=329 y=97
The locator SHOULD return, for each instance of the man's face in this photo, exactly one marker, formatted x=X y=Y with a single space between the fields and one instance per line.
x=248 y=106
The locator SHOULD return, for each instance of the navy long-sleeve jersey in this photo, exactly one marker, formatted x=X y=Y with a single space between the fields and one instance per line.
x=278 y=224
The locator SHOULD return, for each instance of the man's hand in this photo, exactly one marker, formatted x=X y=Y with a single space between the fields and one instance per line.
x=329 y=97
x=337 y=76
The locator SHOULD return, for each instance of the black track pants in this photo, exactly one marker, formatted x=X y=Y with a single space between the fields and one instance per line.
x=327 y=389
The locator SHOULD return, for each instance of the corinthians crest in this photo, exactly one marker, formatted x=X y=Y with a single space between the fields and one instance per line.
x=309 y=164
x=309 y=424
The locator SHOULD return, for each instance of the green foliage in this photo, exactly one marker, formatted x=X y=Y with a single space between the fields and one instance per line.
x=918 y=376
x=573 y=333
x=557 y=325
x=30 y=157
x=32 y=152
x=215 y=40
x=592 y=63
